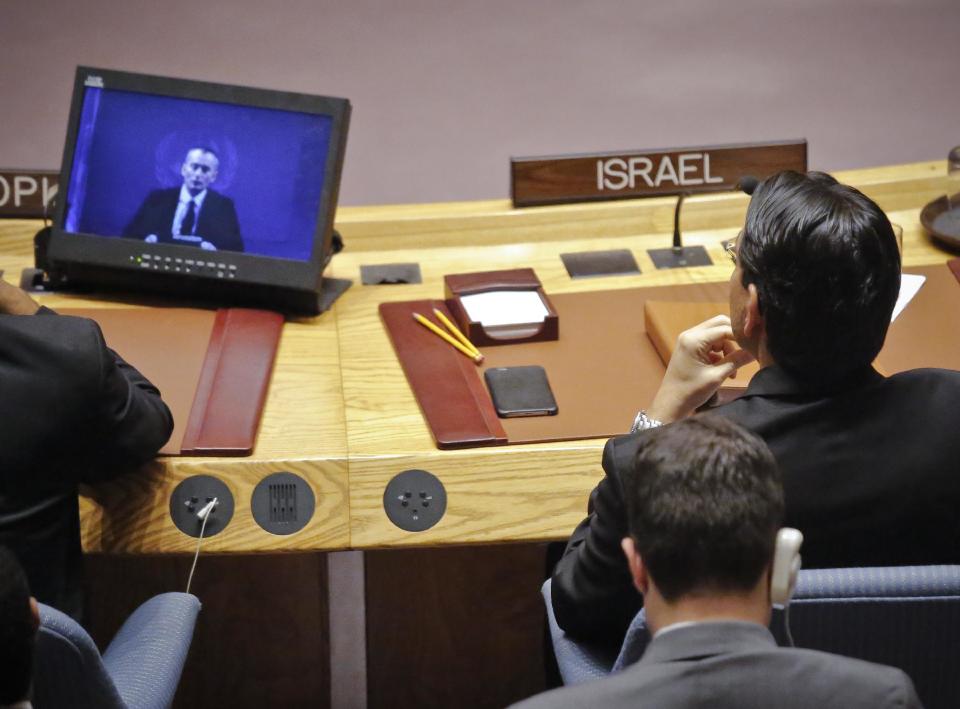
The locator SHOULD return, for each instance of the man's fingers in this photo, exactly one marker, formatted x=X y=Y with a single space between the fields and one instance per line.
x=714 y=321
x=733 y=361
x=702 y=339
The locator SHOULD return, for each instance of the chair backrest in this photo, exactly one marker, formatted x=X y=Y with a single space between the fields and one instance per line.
x=68 y=671
x=905 y=616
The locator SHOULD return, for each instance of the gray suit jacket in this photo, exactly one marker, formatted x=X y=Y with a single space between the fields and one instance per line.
x=737 y=665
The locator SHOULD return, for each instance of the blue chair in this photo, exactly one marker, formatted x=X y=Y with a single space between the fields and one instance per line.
x=577 y=661
x=139 y=670
x=905 y=616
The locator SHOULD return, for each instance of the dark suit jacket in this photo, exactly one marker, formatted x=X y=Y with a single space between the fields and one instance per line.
x=737 y=665
x=72 y=412
x=216 y=223
x=871 y=477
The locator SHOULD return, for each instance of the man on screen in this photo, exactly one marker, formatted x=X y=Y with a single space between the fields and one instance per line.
x=191 y=215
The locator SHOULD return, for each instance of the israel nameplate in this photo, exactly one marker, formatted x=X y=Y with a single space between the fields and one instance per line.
x=645 y=173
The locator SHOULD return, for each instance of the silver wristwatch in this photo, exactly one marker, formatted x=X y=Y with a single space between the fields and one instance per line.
x=642 y=422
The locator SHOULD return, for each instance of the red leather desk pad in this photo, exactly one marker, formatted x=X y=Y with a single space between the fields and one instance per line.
x=604 y=367
x=212 y=367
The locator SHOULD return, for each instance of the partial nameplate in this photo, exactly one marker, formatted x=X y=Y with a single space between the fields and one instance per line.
x=647 y=173
x=27 y=193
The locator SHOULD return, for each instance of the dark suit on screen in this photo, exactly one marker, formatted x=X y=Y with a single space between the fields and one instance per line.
x=871 y=477
x=736 y=665
x=216 y=222
x=72 y=412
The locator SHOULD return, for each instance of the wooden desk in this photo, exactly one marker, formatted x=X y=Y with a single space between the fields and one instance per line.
x=341 y=414
x=525 y=492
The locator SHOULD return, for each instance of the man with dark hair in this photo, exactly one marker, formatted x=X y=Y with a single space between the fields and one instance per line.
x=704 y=505
x=192 y=214
x=869 y=463
x=73 y=412
x=19 y=619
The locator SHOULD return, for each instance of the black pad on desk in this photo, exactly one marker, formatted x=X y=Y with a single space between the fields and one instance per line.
x=683 y=257
x=588 y=264
x=390 y=273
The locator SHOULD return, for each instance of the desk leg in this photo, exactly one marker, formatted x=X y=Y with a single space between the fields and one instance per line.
x=348 y=619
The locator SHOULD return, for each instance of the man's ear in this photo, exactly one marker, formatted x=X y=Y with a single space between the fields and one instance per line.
x=753 y=320
x=635 y=563
x=35 y=613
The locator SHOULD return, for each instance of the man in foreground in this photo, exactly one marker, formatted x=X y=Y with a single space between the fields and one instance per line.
x=192 y=214
x=73 y=412
x=869 y=463
x=704 y=505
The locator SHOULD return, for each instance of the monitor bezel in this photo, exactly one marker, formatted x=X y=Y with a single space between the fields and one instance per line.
x=101 y=251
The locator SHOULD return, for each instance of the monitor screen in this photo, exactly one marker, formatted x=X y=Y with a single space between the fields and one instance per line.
x=166 y=168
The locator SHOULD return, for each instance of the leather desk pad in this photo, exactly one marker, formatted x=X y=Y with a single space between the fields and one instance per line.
x=213 y=368
x=604 y=367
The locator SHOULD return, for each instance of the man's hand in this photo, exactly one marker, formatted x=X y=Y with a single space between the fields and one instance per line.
x=705 y=356
x=14 y=301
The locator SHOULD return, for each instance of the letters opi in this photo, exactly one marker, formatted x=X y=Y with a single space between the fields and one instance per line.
x=19 y=190
x=688 y=170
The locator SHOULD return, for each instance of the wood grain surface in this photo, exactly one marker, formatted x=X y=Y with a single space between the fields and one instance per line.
x=341 y=414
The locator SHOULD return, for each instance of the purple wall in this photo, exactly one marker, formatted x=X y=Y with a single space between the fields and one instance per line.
x=444 y=92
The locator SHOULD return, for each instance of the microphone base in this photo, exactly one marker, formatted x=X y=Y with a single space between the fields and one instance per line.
x=684 y=257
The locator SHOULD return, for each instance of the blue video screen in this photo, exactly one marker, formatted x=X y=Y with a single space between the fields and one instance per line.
x=217 y=176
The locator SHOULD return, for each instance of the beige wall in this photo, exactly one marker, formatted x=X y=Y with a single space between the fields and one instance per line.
x=445 y=91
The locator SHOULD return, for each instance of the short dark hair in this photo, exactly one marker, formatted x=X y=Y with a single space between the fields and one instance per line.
x=17 y=630
x=826 y=266
x=704 y=503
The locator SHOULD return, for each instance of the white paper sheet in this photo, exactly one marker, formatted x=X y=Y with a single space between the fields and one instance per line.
x=505 y=307
x=909 y=287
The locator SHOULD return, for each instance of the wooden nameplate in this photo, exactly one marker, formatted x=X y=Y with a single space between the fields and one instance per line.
x=648 y=173
x=27 y=193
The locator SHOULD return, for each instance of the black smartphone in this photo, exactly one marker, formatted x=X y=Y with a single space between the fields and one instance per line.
x=520 y=391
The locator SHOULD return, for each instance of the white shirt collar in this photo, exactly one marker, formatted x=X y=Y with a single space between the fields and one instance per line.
x=676 y=626
x=185 y=196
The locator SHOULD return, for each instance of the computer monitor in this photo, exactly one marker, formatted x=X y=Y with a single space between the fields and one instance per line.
x=198 y=190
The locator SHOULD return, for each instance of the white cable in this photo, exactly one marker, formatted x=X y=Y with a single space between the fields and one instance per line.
x=203 y=514
x=786 y=624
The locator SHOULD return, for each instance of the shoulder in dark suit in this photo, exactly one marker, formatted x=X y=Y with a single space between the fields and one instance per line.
x=869 y=477
x=73 y=412
x=737 y=665
x=217 y=222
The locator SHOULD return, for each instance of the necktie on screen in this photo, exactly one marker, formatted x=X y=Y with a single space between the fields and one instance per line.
x=186 y=226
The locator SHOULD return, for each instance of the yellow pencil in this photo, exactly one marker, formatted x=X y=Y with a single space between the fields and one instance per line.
x=476 y=357
x=455 y=330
